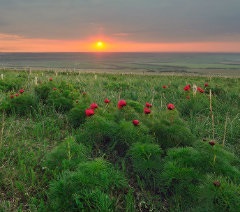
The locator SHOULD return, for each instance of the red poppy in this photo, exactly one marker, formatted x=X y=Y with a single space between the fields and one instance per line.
x=216 y=183
x=135 y=122
x=17 y=94
x=106 y=100
x=212 y=143
x=54 y=89
x=187 y=87
x=21 y=91
x=11 y=96
x=164 y=86
x=170 y=106
x=206 y=84
x=121 y=103
x=89 y=112
x=200 y=90
x=147 y=110
x=148 y=105
x=50 y=79
x=93 y=106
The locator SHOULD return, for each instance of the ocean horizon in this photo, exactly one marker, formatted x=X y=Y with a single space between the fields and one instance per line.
x=196 y=62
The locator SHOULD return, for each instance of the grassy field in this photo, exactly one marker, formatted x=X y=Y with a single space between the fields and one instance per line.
x=65 y=147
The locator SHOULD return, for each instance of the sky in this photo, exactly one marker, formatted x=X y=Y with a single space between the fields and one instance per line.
x=122 y=25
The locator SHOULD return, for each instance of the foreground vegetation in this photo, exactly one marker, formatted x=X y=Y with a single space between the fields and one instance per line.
x=89 y=142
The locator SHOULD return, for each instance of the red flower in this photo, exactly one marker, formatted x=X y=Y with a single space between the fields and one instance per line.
x=170 y=106
x=17 y=94
x=11 y=96
x=147 y=110
x=54 y=89
x=187 y=87
x=121 y=103
x=206 y=84
x=93 y=106
x=148 y=105
x=200 y=90
x=188 y=97
x=50 y=79
x=212 y=143
x=21 y=91
x=106 y=100
x=89 y=112
x=135 y=122
x=216 y=183
x=164 y=86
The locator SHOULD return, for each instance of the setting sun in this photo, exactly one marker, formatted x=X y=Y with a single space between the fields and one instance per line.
x=100 y=45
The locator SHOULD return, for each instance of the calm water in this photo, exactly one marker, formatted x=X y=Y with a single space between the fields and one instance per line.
x=151 y=62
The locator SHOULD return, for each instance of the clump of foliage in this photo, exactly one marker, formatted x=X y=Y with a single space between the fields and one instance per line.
x=10 y=84
x=90 y=187
x=59 y=101
x=186 y=171
x=42 y=91
x=22 y=104
x=170 y=130
x=147 y=162
x=66 y=156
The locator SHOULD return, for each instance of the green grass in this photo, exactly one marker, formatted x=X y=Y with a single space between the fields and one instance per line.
x=55 y=158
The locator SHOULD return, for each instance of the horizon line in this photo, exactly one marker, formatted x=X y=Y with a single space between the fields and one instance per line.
x=104 y=52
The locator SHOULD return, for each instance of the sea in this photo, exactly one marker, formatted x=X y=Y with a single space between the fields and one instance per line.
x=201 y=63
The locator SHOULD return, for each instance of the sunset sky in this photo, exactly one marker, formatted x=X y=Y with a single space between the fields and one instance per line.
x=121 y=25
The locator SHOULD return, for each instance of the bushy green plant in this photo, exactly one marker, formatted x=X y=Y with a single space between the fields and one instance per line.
x=196 y=105
x=186 y=169
x=88 y=188
x=146 y=161
x=111 y=137
x=135 y=105
x=66 y=156
x=22 y=104
x=218 y=194
x=207 y=159
x=180 y=185
x=42 y=91
x=59 y=101
x=77 y=116
x=170 y=130
x=10 y=84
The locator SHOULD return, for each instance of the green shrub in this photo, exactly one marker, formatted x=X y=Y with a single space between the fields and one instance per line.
x=196 y=105
x=59 y=102
x=186 y=169
x=110 y=137
x=77 y=116
x=224 y=196
x=135 y=105
x=146 y=161
x=170 y=130
x=66 y=156
x=180 y=185
x=21 y=105
x=42 y=91
x=88 y=188
x=10 y=84
x=207 y=159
